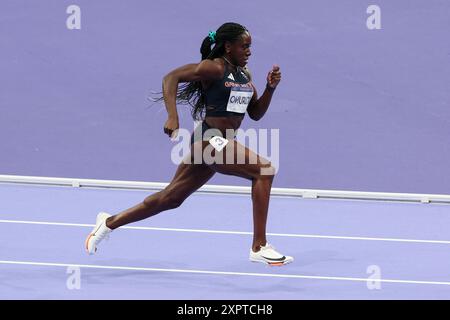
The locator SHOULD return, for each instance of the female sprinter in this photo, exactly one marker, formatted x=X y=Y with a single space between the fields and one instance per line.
x=220 y=90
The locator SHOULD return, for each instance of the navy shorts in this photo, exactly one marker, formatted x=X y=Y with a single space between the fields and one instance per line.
x=199 y=133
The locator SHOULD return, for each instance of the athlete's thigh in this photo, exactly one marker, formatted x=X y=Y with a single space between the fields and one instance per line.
x=238 y=160
x=189 y=177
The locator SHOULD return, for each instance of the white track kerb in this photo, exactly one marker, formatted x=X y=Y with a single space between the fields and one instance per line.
x=287 y=192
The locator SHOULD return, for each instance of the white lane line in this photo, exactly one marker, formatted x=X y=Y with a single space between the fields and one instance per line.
x=228 y=273
x=314 y=236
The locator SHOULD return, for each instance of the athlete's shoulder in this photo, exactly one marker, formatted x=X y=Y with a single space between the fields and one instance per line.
x=211 y=68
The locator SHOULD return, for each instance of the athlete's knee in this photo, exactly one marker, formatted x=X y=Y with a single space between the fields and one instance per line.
x=266 y=170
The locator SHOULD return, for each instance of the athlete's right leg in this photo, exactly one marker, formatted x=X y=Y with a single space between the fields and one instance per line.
x=188 y=178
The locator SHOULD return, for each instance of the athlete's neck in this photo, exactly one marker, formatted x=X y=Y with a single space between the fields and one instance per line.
x=228 y=61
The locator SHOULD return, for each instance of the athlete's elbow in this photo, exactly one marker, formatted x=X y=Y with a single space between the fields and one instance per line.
x=167 y=79
x=168 y=82
x=254 y=116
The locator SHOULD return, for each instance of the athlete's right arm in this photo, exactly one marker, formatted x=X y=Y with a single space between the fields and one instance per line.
x=203 y=71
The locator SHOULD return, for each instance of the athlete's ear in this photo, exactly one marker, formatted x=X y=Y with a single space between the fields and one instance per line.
x=227 y=46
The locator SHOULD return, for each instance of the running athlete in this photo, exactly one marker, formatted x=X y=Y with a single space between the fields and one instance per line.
x=220 y=91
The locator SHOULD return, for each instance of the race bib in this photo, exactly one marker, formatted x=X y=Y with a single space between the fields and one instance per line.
x=218 y=143
x=239 y=99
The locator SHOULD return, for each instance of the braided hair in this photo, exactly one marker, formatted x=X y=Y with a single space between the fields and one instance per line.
x=192 y=92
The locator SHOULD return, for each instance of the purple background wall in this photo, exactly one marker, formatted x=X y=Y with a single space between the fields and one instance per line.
x=357 y=109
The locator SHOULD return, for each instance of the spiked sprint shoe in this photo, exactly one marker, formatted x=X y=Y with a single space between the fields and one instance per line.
x=99 y=233
x=267 y=254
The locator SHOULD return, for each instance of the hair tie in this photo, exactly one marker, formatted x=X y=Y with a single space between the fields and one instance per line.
x=212 y=36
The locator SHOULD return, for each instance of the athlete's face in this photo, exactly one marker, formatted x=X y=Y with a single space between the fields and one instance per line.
x=240 y=50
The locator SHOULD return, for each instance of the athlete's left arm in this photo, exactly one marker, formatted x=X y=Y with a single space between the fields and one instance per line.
x=258 y=106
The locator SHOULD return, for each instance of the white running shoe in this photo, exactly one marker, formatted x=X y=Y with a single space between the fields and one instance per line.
x=267 y=254
x=99 y=233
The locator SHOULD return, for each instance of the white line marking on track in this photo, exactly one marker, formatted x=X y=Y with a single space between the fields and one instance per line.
x=232 y=232
x=210 y=272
